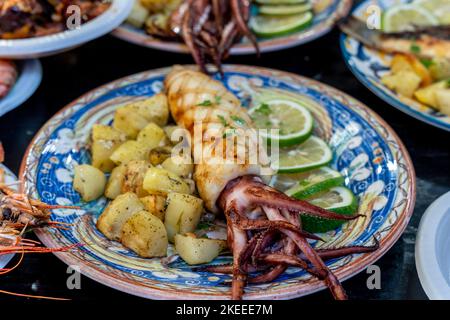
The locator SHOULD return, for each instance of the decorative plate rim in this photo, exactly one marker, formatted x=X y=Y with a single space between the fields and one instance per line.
x=269 y=45
x=389 y=98
x=342 y=273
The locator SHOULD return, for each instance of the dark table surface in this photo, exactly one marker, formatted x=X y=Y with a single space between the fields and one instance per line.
x=69 y=75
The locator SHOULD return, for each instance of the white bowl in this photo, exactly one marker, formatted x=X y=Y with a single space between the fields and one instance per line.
x=30 y=76
x=433 y=249
x=62 y=41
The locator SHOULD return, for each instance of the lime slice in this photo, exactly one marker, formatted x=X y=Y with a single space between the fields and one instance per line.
x=338 y=199
x=405 y=17
x=292 y=120
x=281 y=2
x=284 y=9
x=271 y=26
x=315 y=181
x=311 y=154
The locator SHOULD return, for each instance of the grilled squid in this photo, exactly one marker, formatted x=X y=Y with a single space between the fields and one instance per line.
x=263 y=225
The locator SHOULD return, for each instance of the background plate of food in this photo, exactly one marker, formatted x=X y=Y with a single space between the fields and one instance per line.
x=39 y=28
x=7 y=177
x=20 y=80
x=402 y=66
x=278 y=24
x=338 y=156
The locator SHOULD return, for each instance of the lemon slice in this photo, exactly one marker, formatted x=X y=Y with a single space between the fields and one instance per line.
x=440 y=8
x=405 y=17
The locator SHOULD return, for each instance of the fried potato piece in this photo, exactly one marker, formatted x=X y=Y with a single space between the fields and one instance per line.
x=105 y=140
x=113 y=218
x=89 y=182
x=156 y=205
x=182 y=214
x=198 y=250
x=134 y=177
x=145 y=234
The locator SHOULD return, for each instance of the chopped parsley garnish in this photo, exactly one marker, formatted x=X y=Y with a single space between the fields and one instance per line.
x=218 y=99
x=223 y=120
x=238 y=120
x=427 y=62
x=264 y=108
x=415 y=48
x=206 y=103
x=203 y=226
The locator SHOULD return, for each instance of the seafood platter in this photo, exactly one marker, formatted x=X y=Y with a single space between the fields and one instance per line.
x=407 y=62
x=211 y=30
x=220 y=181
x=155 y=219
x=37 y=28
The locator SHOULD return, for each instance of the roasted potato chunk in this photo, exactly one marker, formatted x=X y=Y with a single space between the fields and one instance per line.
x=154 y=109
x=111 y=221
x=198 y=250
x=402 y=82
x=134 y=177
x=145 y=234
x=161 y=181
x=155 y=204
x=183 y=213
x=152 y=136
x=135 y=116
x=116 y=179
x=129 y=151
x=128 y=121
x=89 y=182
x=105 y=140
x=427 y=95
x=181 y=166
x=443 y=101
x=159 y=155
x=138 y=15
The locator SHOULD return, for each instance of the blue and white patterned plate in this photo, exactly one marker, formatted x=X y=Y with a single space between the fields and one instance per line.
x=370 y=65
x=323 y=22
x=367 y=152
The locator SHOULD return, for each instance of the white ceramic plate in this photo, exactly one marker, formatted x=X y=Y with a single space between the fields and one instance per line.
x=433 y=249
x=55 y=43
x=9 y=178
x=30 y=76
